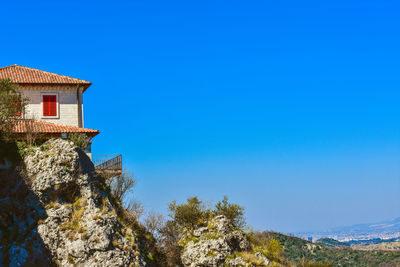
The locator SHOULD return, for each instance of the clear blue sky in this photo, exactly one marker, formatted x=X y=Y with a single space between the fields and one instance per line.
x=291 y=108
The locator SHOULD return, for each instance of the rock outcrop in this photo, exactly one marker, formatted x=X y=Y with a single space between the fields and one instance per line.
x=218 y=244
x=61 y=214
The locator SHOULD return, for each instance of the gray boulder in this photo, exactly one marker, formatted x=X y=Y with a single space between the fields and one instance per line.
x=214 y=244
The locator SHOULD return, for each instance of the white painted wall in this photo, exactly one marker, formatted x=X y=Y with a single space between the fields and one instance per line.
x=70 y=107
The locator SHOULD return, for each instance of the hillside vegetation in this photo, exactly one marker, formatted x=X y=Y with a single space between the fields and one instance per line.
x=298 y=250
x=395 y=246
x=329 y=242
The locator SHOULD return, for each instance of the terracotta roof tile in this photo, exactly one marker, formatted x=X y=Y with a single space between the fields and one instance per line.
x=43 y=127
x=25 y=75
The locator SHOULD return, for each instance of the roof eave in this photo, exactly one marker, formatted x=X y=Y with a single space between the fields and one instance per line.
x=84 y=85
x=53 y=135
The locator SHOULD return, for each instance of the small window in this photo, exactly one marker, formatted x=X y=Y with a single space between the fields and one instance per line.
x=49 y=105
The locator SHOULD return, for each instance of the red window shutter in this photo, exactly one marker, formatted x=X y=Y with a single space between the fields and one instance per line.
x=46 y=111
x=18 y=104
x=53 y=105
x=49 y=105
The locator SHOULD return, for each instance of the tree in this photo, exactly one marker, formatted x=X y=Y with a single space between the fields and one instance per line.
x=190 y=214
x=122 y=184
x=273 y=249
x=12 y=106
x=135 y=208
x=184 y=216
x=233 y=212
x=154 y=223
x=169 y=237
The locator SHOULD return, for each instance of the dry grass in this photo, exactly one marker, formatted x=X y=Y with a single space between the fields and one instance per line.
x=73 y=225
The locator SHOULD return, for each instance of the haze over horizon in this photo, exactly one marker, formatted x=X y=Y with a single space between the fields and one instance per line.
x=290 y=109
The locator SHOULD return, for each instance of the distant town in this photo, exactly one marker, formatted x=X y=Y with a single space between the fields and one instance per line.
x=383 y=230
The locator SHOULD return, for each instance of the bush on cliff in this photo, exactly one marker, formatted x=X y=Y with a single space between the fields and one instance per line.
x=195 y=213
x=80 y=140
x=188 y=216
x=122 y=184
x=232 y=212
x=12 y=105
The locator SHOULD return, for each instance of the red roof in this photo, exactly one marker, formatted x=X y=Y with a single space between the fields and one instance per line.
x=43 y=127
x=24 y=75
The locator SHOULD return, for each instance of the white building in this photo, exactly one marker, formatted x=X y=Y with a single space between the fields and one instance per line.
x=55 y=110
x=55 y=101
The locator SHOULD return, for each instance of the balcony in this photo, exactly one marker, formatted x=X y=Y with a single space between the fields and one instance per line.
x=107 y=165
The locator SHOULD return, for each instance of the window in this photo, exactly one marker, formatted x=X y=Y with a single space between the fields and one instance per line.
x=49 y=105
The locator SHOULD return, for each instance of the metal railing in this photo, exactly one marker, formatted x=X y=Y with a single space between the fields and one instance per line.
x=107 y=161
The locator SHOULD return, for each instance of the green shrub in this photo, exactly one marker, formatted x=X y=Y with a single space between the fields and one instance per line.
x=80 y=140
x=194 y=213
x=189 y=215
x=11 y=105
x=309 y=263
x=273 y=249
x=233 y=212
x=24 y=149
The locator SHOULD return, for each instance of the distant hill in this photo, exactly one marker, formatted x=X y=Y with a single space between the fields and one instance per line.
x=373 y=241
x=367 y=231
x=394 y=246
x=365 y=244
x=298 y=250
x=329 y=242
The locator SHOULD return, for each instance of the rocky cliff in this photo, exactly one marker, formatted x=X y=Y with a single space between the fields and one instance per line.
x=55 y=210
x=220 y=244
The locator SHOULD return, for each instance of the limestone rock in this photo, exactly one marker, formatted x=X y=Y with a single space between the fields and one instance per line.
x=211 y=245
x=240 y=262
x=206 y=252
x=60 y=215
